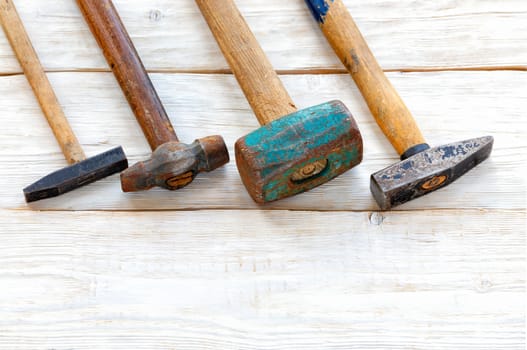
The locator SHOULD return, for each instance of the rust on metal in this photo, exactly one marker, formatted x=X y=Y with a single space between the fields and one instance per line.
x=428 y=171
x=299 y=151
x=174 y=165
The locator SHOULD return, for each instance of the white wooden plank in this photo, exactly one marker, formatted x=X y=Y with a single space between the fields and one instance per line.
x=262 y=280
x=332 y=277
x=449 y=106
x=171 y=35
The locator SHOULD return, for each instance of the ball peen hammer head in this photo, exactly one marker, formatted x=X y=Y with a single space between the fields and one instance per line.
x=427 y=171
x=298 y=152
x=77 y=175
x=174 y=165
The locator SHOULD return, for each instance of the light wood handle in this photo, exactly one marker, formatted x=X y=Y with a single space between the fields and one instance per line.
x=110 y=33
x=19 y=40
x=384 y=102
x=257 y=78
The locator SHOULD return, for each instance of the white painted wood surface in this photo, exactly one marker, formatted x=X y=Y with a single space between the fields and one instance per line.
x=171 y=35
x=204 y=267
x=253 y=280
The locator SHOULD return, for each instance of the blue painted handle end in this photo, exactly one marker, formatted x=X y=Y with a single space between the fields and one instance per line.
x=319 y=8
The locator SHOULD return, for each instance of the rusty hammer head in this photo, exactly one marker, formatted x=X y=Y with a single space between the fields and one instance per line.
x=77 y=175
x=174 y=165
x=427 y=171
x=299 y=151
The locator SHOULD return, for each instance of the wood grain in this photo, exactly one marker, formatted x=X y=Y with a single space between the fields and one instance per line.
x=253 y=71
x=122 y=57
x=402 y=34
x=217 y=280
x=385 y=104
x=206 y=268
x=208 y=104
x=34 y=72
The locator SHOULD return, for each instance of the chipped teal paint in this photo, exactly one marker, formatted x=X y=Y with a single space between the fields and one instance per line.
x=267 y=140
x=277 y=188
x=319 y=8
x=277 y=150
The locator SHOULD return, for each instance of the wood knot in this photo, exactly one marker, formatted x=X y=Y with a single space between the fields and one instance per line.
x=376 y=219
x=483 y=285
x=155 y=15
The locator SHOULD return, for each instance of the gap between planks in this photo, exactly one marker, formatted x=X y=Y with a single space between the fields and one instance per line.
x=373 y=212
x=311 y=71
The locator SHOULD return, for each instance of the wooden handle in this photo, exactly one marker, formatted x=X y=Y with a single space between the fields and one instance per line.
x=257 y=78
x=110 y=33
x=384 y=102
x=19 y=40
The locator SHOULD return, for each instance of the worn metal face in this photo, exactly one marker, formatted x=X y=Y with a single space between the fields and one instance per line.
x=77 y=175
x=299 y=151
x=427 y=171
x=174 y=165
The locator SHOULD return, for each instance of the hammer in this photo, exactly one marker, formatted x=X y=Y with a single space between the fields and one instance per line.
x=293 y=151
x=173 y=164
x=422 y=169
x=82 y=171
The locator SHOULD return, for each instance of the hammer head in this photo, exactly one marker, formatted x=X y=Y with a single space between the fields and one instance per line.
x=427 y=171
x=298 y=152
x=77 y=175
x=174 y=165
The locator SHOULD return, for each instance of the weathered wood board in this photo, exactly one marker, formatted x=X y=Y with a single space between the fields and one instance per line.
x=205 y=267
x=172 y=36
x=449 y=106
x=262 y=280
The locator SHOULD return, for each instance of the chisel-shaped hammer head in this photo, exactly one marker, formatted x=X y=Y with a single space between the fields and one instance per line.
x=77 y=175
x=83 y=171
x=299 y=151
x=427 y=171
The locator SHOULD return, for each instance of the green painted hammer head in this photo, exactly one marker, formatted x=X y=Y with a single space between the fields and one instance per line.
x=299 y=151
x=293 y=151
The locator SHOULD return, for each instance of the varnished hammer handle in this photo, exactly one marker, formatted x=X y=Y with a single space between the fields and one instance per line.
x=384 y=102
x=110 y=33
x=19 y=40
x=257 y=78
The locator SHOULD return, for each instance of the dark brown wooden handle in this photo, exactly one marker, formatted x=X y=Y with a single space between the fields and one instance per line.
x=19 y=40
x=384 y=102
x=257 y=78
x=108 y=29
